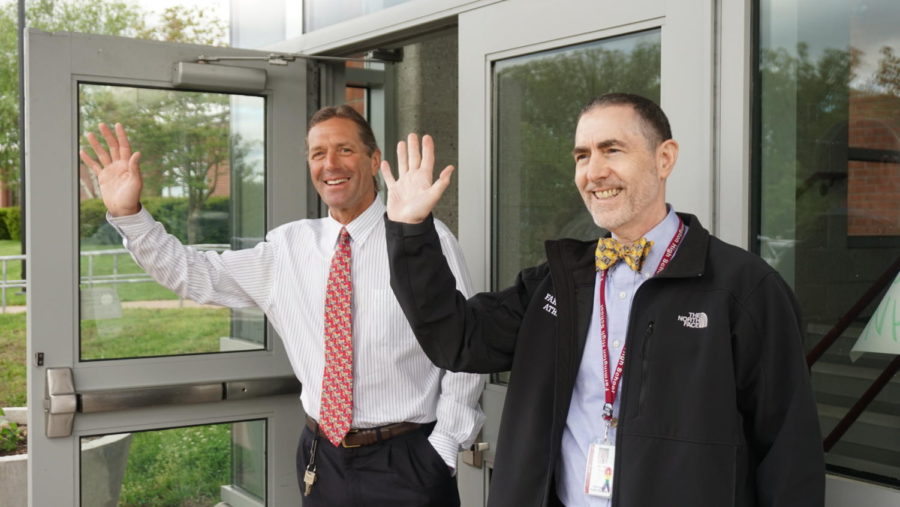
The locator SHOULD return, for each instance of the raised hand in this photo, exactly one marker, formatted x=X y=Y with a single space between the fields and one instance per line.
x=117 y=171
x=414 y=193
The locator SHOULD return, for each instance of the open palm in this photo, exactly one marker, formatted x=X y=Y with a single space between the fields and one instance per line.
x=414 y=193
x=118 y=171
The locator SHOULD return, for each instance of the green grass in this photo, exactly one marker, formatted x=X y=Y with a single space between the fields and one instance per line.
x=10 y=247
x=12 y=360
x=99 y=265
x=177 y=467
x=143 y=332
x=122 y=264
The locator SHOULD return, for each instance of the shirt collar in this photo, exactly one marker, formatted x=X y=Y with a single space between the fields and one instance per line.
x=661 y=236
x=360 y=227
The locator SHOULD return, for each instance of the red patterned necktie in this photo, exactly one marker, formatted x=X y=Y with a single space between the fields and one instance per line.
x=336 y=410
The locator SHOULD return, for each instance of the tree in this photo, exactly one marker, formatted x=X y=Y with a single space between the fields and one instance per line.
x=103 y=17
x=184 y=139
x=888 y=76
x=539 y=100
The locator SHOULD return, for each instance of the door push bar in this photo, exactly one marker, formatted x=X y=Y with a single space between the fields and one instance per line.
x=62 y=401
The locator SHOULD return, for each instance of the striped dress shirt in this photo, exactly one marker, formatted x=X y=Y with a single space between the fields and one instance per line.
x=286 y=275
x=584 y=423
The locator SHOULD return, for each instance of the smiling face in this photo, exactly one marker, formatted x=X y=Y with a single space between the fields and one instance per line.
x=618 y=172
x=341 y=168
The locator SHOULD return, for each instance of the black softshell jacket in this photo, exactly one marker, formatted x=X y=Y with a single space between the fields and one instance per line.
x=716 y=404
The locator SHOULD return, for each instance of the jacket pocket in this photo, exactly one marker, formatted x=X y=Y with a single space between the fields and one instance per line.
x=662 y=471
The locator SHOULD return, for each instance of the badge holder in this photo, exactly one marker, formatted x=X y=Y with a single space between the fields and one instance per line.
x=600 y=467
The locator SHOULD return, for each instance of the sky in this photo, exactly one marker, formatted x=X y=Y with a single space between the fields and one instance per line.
x=221 y=7
x=866 y=25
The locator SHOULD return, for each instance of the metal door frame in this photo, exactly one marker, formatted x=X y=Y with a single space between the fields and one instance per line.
x=520 y=27
x=55 y=64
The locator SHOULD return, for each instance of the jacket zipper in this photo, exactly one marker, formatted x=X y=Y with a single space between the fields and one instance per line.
x=645 y=365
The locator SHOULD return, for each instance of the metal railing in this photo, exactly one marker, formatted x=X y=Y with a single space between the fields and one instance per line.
x=5 y=283
x=90 y=277
x=831 y=337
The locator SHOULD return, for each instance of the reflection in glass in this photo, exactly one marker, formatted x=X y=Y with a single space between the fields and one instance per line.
x=829 y=183
x=538 y=98
x=322 y=13
x=203 y=169
x=191 y=466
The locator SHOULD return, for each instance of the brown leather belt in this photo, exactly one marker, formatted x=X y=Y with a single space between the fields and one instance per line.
x=368 y=436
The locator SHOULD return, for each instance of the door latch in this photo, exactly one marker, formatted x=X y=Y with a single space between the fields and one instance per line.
x=60 y=402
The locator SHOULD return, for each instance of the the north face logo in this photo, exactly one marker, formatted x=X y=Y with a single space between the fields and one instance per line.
x=694 y=320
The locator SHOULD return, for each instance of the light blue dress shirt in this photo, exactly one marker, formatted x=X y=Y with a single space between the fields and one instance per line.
x=585 y=423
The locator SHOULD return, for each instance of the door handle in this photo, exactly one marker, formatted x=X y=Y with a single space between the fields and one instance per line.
x=62 y=401
x=474 y=455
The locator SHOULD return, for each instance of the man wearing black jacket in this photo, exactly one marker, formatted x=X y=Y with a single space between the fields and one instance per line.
x=660 y=366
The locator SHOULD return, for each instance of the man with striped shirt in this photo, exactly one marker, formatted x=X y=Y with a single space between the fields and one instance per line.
x=407 y=418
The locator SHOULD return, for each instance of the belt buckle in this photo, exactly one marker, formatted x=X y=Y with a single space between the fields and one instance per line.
x=344 y=443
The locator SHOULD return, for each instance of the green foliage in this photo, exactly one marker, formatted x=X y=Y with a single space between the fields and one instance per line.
x=9 y=97
x=11 y=436
x=539 y=100
x=888 y=76
x=191 y=24
x=12 y=360
x=185 y=143
x=805 y=110
x=91 y=218
x=183 y=466
x=88 y=16
x=11 y=223
x=213 y=224
x=4 y=232
x=103 y=17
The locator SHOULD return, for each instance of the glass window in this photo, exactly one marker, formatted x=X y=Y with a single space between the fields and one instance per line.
x=828 y=158
x=195 y=465
x=261 y=23
x=537 y=99
x=322 y=13
x=203 y=169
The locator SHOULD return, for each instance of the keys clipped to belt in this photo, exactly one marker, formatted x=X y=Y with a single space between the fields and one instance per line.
x=309 y=477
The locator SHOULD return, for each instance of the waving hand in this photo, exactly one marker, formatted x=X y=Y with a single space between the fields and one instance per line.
x=117 y=171
x=414 y=193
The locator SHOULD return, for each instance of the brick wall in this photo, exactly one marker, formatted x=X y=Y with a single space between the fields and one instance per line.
x=873 y=188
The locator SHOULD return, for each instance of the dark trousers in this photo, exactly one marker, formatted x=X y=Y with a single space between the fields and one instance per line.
x=404 y=471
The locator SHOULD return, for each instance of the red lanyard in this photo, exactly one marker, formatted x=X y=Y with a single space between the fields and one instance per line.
x=612 y=385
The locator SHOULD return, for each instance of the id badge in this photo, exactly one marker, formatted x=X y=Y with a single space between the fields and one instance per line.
x=598 y=476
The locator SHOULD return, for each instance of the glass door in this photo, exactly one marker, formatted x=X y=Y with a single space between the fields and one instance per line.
x=137 y=396
x=526 y=71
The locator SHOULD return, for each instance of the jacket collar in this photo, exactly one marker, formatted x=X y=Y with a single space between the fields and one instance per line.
x=690 y=260
x=577 y=256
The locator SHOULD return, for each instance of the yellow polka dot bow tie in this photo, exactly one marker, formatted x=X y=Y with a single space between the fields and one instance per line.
x=609 y=251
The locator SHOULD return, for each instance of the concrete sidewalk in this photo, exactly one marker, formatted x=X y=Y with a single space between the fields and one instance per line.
x=165 y=303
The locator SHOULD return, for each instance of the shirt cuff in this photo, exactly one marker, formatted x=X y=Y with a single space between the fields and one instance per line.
x=131 y=226
x=446 y=447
